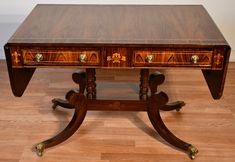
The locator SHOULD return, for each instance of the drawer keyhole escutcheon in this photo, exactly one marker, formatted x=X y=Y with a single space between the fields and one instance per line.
x=82 y=57
x=38 y=57
x=194 y=59
x=149 y=58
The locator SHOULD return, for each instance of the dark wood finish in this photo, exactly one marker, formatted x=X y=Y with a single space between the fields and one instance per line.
x=155 y=80
x=63 y=103
x=19 y=78
x=91 y=85
x=158 y=101
x=117 y=105
x=216 y=78
x=173 y=58
x=177 y=105
x=117 y=57
x=122 y=37
x=144 y=85
x=184 y=29
x=79 y=101
x=60 y=57
x=119 y=24
x=78 y=77
x=74 y=100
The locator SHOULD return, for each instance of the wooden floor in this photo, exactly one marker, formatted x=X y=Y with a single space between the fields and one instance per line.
x=117 y=136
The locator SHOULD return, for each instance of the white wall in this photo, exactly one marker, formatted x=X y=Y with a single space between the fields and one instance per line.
x=13 y=12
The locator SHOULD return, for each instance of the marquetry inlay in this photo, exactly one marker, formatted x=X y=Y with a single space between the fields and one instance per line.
x=173 y=58
x=116 y=58
x=15 y=57
x=218 y=59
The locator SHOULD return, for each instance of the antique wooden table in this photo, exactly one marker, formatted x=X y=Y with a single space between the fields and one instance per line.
x=122 y=37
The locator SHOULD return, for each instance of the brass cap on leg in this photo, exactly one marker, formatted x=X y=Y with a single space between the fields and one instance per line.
x=40 y=148
x=192 y=150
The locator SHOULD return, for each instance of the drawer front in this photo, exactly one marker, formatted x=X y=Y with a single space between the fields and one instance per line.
x=60 y=57
x=173 y=58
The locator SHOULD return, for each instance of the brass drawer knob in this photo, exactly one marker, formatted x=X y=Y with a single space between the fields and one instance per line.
x=194 y=59
x=82 y=57
x=38 y=57
x=149 y=58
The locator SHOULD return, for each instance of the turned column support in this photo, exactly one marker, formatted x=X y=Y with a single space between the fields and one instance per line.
x=91 y=85
x=144 y=84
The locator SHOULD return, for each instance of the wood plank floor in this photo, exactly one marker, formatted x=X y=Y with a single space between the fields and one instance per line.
x=117 y=136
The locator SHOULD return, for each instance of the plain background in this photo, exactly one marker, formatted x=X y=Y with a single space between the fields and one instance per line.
x=13 y=12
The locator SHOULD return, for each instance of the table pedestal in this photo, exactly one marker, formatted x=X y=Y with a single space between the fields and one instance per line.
x=76 y=99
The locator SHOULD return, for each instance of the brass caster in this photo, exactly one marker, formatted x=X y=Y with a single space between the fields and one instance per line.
x=192 y=151
x=178 y=109
x=40 y=149
x=181 y=104
x=55 y=104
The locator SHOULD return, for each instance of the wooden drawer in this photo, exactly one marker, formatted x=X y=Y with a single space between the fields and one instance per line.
x=50 y=57
x=173 y=58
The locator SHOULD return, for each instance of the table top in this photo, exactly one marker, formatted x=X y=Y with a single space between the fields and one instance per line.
x=118 y=36
x=124 y=37
x=119 y=24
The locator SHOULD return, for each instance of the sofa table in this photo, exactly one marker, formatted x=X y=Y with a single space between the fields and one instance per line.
x=144 y=37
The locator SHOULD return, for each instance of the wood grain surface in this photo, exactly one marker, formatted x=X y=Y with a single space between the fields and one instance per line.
x=173 y=58
x=117 y=136
x=119 y=24
x=61 y=57
x=124 y=27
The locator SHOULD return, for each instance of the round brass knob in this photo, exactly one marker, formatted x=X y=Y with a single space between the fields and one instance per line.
x=82 y=57
x=149 y=58
x=38 y=57
x=194 y=59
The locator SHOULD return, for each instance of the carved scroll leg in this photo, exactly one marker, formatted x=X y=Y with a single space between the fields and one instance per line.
x=79 y=101
x=157 y=79
x=63 y=103
x=79 y=77
x=157 y=101
x=177 y=105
